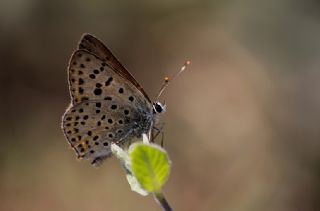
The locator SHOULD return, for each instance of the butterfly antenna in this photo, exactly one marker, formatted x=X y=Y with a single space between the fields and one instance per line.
x=167 y=80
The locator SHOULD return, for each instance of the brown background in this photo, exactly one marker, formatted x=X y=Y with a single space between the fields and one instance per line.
x=242 y=127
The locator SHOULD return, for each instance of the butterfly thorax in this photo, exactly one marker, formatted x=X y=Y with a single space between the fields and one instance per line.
x=143 y=122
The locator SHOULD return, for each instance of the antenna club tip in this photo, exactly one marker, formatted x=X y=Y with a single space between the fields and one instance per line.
x=166 y=79
x=188 y=62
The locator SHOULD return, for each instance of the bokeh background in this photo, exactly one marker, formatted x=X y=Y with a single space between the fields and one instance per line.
x=242 y=126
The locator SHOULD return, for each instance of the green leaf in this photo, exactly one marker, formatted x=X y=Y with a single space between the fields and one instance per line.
x=126 y=164
x=150 y=165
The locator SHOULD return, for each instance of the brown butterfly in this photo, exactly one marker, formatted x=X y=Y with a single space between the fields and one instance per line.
x=107 y=104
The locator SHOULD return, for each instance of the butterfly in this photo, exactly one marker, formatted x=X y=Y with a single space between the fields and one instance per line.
x=107 y=104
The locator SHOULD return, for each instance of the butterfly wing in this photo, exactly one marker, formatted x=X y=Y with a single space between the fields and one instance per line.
x=105 y=107
x=91 y=79
x=95 y=46
x=91 y=127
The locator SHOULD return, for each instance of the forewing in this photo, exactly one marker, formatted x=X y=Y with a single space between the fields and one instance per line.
x=95 y=46
x=91 y=79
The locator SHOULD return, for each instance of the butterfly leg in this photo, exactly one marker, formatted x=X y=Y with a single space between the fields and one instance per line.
x=158 y=131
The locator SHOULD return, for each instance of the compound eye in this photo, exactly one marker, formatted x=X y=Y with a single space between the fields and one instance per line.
x=158 y=108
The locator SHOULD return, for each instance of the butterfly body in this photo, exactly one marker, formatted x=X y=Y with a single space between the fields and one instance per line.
x=107 y=104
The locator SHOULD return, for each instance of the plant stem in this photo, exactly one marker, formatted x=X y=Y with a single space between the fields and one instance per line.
x=162 y=201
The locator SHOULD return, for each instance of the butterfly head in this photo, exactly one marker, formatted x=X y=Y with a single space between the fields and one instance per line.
x=159 y=108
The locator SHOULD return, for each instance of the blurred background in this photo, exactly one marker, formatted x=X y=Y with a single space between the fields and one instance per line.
x=242 y=126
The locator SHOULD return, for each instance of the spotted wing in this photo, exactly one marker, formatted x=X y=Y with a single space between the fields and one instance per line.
x=91 y=79
x=91 y=126
x=100 y=101
x=95 y=46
